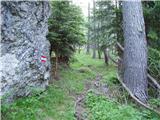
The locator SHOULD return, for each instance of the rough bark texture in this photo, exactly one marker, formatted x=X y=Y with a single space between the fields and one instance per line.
x=94 y=51
x=23 y=46
x=135 y=50
x=88 y=43
x=99 y=54
x=106 y=56
x=94 y=44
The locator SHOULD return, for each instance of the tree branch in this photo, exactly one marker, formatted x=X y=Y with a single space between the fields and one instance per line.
x=148 y=75
x=136 y=99
x=154 y=81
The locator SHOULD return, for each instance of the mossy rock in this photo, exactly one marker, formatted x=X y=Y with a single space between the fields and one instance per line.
x=84 y=70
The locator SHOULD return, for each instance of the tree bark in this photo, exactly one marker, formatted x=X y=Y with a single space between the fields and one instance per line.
x=99 y=54
x=98 y=41
x=106 y=56
x=94 y=44
x=135 y=49
x=88 y=45
x=119 y=35
x=79 y=49
x=94 y=51
x=56 y=68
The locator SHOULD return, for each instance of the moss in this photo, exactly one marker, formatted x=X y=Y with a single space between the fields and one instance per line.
x=84 y=70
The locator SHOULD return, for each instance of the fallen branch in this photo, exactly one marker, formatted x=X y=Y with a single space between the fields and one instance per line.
x=148 y=75
x=120 y=46
x=136 y=99
x=154 y=81
x=114 y=61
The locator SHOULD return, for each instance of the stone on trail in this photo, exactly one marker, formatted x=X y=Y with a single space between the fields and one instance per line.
x=25 y=60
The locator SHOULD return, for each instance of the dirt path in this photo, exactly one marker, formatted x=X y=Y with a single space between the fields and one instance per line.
x=98 y=87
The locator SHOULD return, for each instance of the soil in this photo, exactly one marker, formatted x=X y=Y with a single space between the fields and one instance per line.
x=94 y=85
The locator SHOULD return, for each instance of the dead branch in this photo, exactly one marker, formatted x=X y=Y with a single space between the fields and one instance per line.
x=148 y=75
x=120 y=46
x=114 y=61
x=136 y=99
x=154 y=81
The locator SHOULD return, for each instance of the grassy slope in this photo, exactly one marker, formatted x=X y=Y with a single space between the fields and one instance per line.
x=57 y=102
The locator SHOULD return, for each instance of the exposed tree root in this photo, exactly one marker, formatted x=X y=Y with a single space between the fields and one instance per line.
x=136 y=99
x=154 y=81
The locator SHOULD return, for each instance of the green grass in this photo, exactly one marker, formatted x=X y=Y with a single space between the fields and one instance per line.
x=54 y=103
x=102 y=108
x=57 y=102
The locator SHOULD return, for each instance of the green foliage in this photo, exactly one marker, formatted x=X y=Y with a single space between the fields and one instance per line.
x=155 y=102
x=104 y=109
x=110 y=79
x=65 y=28
x=154 y=63
x=152 y=24
x=116 y=25
x=56 y=102
x=41 y=106
x=84 y=69
x=101 y=19
x=101 y=108
x=152 y=35
x=86 y=61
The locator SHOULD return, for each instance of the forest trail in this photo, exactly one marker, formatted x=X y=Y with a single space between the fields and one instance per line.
x=88 y=90
x=96 y=71
x=80 y=110
x=104 y=86
x=80 y=60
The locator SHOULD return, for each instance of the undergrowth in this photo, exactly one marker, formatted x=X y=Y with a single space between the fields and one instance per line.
x=57 y=102
x=41 y=106
x=101 y=108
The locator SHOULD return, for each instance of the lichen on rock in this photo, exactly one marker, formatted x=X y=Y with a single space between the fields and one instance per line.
x=25 y=60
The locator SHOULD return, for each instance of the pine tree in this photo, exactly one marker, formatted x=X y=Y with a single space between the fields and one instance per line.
x=135 y=49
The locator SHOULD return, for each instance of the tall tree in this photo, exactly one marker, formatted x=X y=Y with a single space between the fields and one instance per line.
x=152 y=27
x=88 y=43
x=104 y=17
x=135 y=49
x=94 y=25
x=65 y=31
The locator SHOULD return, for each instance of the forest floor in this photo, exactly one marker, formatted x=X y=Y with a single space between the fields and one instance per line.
x=87 y=90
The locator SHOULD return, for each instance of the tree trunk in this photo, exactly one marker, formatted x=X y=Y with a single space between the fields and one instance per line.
x=79 y=49
x=94 y=51
x=94 y=44
x=135 y=49
x=99 y=54
x=98 y=49
x=56 y=68
x=88 y=45
x=98 y=41
x=106 y=56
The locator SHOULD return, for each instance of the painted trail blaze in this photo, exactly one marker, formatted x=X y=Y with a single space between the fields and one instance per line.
x=43 y=58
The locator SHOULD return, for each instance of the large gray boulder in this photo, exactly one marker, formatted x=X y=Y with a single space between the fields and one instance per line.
x=25 y=60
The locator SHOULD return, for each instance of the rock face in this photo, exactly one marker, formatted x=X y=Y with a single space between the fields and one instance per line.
x=25 y=60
